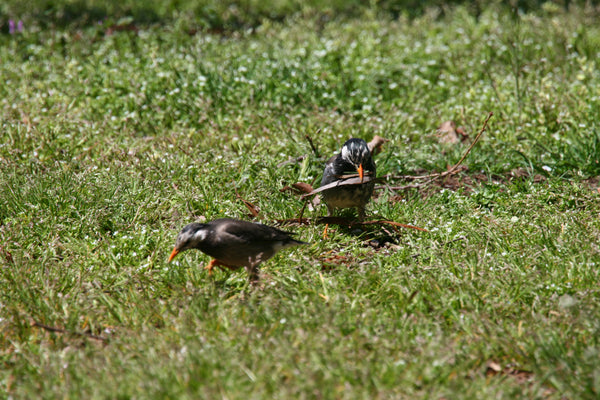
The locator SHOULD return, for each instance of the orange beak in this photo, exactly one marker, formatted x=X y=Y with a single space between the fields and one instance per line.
x=361 y=172
x=173 y=254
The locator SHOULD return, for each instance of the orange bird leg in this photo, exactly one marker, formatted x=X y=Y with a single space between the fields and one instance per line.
x=216 y=263
x=325 y=231
x=361 y=172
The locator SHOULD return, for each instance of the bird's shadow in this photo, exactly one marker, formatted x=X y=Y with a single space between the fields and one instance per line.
x=375 y=232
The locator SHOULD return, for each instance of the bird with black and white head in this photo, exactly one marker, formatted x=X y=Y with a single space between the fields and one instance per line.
x=354 y=158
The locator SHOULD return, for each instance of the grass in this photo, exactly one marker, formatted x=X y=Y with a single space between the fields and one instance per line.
x=115 y=136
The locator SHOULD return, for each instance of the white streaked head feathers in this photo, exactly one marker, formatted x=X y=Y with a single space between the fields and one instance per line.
x=355 y=151
x=200 y=235
x=345 y=153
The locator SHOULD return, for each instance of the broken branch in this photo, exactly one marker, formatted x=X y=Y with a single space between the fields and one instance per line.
x=61 y=330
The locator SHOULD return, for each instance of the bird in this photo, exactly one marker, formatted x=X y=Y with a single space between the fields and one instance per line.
x=354 y=158
x=234 y=243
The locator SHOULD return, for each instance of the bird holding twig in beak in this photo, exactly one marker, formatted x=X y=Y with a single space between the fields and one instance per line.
x=353 y=160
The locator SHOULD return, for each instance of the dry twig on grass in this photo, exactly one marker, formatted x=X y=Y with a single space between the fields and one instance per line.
x=312 y=145
x=65 y=331
x=431 y=177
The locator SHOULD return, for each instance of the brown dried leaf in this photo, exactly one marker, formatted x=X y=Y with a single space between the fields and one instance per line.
x=375 y=145
x=519 y=173
x=7 y=255
x=333 y=261
x=298 y=188
x=254 y=210
x=492 y=368
x=463 y=135
x=449 y=133
x=303 y=187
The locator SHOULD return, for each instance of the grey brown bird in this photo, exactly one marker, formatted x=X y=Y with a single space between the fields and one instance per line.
x=354 y=158
x=234 y=244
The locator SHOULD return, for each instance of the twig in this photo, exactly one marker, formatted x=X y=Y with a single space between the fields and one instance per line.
x=61 y=330
x=431 y=177
x=312 y=145
x=393 y=188
x=354 y=180
x=291 y=160
x=305 y=203
x=302 y=211
x=483 y=128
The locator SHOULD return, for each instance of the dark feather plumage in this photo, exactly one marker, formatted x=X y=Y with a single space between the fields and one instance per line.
x=234 y=243
x=353 y=157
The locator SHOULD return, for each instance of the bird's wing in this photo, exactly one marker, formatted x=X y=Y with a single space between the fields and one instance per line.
x=248 y=232
x=329 y=174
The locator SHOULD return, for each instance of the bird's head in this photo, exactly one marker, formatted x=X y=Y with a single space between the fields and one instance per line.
x=356 y=152
x=191 y=236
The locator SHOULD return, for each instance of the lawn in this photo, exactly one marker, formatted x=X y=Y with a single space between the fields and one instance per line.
x=118 y=131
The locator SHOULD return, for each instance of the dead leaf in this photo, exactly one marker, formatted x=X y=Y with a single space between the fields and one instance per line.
x=333 y=261
x=492 y=368
x=449 y=133
x=376 y=144
x=254 y=210
x=298 y=187
x=303 y=188
x=7 y=255
x=463 y=135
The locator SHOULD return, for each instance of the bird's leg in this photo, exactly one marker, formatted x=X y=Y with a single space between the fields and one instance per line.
x=329 y=214
x=361 y=213
x=216 y=263
x=253 y=274
x=325 y=231
x=330 y=211
x=211 y=265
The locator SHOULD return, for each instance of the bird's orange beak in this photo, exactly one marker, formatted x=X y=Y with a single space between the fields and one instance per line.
x=361 y=172
x=173 y=254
